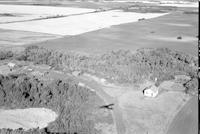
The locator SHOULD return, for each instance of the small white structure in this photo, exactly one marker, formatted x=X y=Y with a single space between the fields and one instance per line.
x=81 y=84
x=11 y=65
x=76 y=73
x=151 y=91
x=103 y=80
x=30 y=69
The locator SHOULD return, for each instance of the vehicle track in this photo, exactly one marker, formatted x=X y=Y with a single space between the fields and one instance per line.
x=116 y=112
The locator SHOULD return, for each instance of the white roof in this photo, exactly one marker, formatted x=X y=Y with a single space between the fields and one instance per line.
x=11 y=64
x=153 y=88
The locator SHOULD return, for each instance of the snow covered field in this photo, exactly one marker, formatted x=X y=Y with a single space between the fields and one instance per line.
x=28 y=9
x=26 y=12
x=26 y=118
x=19 y=17
x=74 y=25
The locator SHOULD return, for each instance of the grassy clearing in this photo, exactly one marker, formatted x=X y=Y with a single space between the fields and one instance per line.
x=186 y=120
x=142 y=114
x=15 y=39
x=150 y=115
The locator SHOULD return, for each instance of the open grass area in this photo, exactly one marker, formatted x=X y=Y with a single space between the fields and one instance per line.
x=140 y=114
x=150 y=115
x=13 y=38
x=186 y=121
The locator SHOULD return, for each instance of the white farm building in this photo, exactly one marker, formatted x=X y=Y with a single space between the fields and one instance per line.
x=11 y=65
x=151 y=91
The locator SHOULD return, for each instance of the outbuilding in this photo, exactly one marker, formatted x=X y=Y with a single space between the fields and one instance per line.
x=76 y=73
x=151 y=91
x=11 y=65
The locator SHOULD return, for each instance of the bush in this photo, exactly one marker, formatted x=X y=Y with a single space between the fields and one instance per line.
x=191 y=86
x=123 y=66
x=5 y=54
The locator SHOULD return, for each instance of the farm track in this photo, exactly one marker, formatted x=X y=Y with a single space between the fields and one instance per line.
x=116 y=112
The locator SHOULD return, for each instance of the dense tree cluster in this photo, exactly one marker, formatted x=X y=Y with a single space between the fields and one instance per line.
x=4 y=54
x=64 y=97
x=165 y=64
x=191 y=86
x=122 y=66
x=20 y=131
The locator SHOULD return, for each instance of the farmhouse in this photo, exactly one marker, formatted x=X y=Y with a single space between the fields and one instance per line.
x=76 y=73
x=11 y=65
x=151 y=91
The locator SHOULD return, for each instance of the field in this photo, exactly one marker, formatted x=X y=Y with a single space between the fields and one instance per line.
x=10 y=38
x=180 y=125
x=86 y=23
x=155 y=33
x=107 y=35
x=88 y=20
x=83 y=73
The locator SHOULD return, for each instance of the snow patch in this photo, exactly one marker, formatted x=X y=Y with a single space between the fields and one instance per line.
x=26 y=118
x=79 y=24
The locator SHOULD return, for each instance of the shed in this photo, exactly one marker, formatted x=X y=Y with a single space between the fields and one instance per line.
x=76 y=73
x=11 y=65
x=151 y=91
